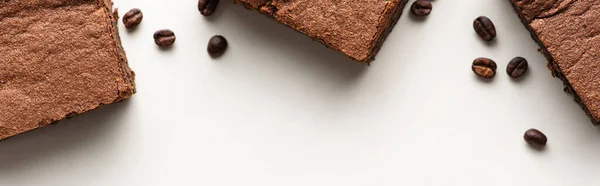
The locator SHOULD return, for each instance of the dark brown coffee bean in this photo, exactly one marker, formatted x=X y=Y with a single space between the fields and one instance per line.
x=133 y=18
x=421 y=7
x=164 y=37
x=217 y=46
x=485 y=28
x=484 y=67
x=207 y=7
x=535 y=137
x=516 y=67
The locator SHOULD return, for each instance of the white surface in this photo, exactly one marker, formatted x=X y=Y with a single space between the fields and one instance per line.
x=279 y=109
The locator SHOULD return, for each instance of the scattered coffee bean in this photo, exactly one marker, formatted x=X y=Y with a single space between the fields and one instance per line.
x=535 y=137
x=133 y=18
x=484 y=67
x=207 y=7
x=217 y=46
x=421 y=7
x=516 y=67
x=485 y=28
x=164 y=37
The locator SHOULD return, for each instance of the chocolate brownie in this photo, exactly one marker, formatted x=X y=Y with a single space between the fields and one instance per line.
x=568 y=32
x=356 y=28
x=59 y=58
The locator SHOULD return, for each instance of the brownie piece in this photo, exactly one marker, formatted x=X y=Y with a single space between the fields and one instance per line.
x=59 y=58
x=568 y=32
x=356 y=28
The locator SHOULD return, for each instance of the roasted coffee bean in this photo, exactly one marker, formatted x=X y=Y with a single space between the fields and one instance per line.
x=133 y=18
x=516 y=67
x=217 y=46
x=164 y=37
x=535 y=137
x=207 y=7
x=421 y=7
x=484 y=67
x=485 y=28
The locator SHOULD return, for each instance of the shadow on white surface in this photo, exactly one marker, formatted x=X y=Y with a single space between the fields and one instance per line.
x=167 y=48
x=132 y=30
x=68 y=138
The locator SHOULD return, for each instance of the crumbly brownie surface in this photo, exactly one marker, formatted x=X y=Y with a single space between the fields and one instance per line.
x=59 y=58
x=356 y=28
x=569 y=33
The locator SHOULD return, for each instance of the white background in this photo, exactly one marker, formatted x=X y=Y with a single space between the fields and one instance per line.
x=279 y=109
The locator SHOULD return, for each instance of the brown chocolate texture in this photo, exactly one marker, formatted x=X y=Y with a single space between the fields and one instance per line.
x=59 y=58
x=569 y=33
x=356 y=28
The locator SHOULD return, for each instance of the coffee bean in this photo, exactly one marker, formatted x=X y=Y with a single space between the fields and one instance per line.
x=484 y=67
x=535 y=137
x=485 y=28
x=207 y=7
x=421 y=7
x=217 y=46
x=164 y=37
x=516 y=67
x=133 y=18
